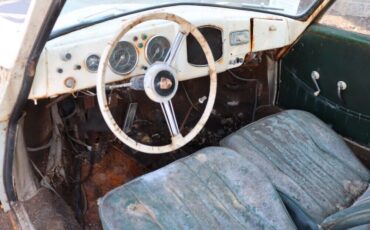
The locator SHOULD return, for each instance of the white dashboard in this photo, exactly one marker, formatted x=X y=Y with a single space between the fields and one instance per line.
x=68 y=63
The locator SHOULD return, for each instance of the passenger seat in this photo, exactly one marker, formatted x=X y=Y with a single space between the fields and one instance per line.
x=304 y=159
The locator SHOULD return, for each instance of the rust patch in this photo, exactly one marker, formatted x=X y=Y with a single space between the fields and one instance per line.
x=281 y=53
x=114 y=169
x=8 y=221
x=31 y=69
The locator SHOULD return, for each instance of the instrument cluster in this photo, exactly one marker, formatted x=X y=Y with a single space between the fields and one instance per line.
x=125 y=57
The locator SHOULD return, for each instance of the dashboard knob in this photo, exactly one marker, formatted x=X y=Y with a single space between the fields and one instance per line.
x=66 y=56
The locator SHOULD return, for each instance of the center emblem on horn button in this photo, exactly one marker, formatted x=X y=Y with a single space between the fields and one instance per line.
x=165 y=83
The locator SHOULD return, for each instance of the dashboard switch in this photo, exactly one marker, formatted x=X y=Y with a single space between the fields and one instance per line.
x=67 y=57
x=239 y=60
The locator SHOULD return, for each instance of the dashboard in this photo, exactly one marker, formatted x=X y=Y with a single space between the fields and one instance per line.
x=69 y=63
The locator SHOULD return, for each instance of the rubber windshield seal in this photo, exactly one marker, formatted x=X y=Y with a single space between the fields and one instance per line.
x=22 y=98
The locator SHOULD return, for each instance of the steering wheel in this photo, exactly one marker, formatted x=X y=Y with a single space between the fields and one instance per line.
x=159 y=83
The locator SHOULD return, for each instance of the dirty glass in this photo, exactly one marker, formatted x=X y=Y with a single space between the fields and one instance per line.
x=14 y=10
x=349 y=15
x=288 y=7
x=78 y=13
x=12 y=17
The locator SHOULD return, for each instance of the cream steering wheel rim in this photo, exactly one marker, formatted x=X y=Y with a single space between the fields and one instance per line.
x=178 y=140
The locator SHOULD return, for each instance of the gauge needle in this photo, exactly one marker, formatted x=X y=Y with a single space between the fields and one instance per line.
x=157 y=52
x=120 y=59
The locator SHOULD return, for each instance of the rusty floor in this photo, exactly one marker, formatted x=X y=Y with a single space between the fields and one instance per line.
x=113 y=170
x=5 y=222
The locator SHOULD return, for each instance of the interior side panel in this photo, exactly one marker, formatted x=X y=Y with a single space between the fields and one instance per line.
x=336 y=55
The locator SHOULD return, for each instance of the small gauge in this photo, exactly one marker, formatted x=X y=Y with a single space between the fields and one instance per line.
x=157 y=49
x=92 y=62
x=239 y=37
x=124 y=58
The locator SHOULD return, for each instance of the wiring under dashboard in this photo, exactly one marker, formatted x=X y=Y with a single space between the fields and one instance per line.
x=257 y=82
x=188 y=98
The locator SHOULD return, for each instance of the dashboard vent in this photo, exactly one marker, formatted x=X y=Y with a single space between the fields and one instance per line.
x=195 y=53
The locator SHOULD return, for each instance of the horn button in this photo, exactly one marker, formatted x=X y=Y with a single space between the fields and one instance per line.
x=160 y=82
x=164 y=83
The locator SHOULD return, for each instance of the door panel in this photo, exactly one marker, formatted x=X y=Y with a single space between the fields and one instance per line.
x=337 y=55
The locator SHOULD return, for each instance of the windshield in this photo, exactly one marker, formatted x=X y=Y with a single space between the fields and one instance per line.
x=288 y=7
x=83 y=12
x=12 y=16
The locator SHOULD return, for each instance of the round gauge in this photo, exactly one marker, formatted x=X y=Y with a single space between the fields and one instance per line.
x=124 y=58
x=157 y=49
x=92 y=62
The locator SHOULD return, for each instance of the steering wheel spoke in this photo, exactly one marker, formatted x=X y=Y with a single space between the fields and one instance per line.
x=135 y=83
x=170 y=116
x=175 y=47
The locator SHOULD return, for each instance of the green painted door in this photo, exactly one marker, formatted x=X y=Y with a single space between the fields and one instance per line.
x=337 y=55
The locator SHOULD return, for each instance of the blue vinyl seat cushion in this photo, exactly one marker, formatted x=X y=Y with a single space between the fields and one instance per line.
x=215 y=188
x=291 y=156
x=304 y=159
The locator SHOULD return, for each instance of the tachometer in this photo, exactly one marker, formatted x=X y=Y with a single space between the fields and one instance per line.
x=157 y=49
x=124 y=58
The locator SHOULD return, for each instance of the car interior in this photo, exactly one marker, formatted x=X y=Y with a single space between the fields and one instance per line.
x=200 y=116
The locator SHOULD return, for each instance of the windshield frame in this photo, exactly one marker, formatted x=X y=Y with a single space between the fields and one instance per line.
x=302 y=17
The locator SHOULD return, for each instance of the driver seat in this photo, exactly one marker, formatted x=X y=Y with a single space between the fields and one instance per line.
x=215 y=188
x=289 y=166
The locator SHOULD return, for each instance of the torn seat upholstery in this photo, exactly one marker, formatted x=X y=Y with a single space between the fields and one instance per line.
x=304 y=159
x=289 y=157
x=215 y=188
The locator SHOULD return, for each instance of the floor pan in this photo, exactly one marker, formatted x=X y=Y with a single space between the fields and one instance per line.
x=114 y=169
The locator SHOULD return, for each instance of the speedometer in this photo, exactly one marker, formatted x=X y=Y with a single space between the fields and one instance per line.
x=157 y=49
x=124 y=58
